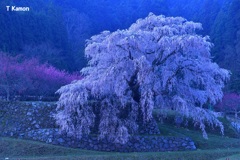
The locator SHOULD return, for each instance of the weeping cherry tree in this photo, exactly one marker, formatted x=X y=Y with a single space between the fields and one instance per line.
x=159 y=62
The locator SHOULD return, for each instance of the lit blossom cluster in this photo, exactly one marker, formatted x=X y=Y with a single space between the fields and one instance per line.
x=159 y=62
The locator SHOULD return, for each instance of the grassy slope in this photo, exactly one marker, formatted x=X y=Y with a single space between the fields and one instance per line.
x=215 y=147
x=234 y=157
x=20 y=149
x=213 y=141
x=196 y=155
x=10 y=147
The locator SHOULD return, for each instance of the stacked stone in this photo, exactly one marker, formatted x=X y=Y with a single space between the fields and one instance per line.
x=34 y=121
x=135 y=144
x=18 y=117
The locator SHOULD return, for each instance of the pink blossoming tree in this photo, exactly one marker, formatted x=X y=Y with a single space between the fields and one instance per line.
x=45 y=79
x=159 y=62
x=29 y=77
x=11 y=76
x=230 y=104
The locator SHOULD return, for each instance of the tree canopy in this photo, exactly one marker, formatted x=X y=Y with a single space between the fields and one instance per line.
x=158 y=62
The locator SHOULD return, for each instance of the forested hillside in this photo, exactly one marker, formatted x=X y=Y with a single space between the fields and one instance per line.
x=55 y=31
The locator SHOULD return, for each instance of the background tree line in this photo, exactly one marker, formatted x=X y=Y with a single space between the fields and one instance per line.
x=55 y=31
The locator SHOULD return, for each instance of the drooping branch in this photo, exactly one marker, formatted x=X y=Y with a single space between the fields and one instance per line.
x=154 y=62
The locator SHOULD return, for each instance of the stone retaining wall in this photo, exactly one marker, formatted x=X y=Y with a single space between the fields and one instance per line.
x=135 y=144
x=34 y=121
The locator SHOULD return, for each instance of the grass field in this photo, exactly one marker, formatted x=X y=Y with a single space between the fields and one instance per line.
x=22 y=149
x=233 y=157
x=217 y=147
